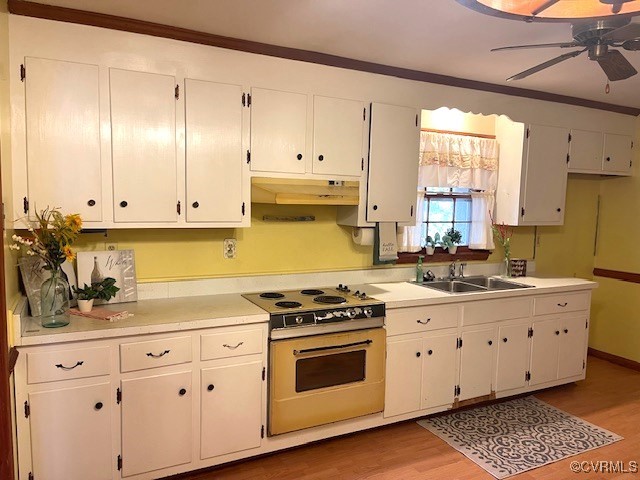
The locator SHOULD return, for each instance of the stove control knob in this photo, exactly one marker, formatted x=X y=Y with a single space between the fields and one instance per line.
x=351 y=313
x=298 y=320
x=368 y=311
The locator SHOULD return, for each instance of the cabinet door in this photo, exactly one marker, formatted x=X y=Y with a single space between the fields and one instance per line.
x=393 y=163
x=338 y=128
x=585 y=151
x=544 y=351
x=404 y=374
x=545 y=181
x=143 y=142
x=63 y=137
x=573 y=338
x=278 y=131
x=231 y=409
x=213 y=118
x=617 y=153
x=71 y=433
x=513 y=357
x=438 y=370
x=156 y=422
x=476 y=362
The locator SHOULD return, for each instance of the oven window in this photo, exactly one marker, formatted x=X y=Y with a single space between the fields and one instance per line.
x=330 y=370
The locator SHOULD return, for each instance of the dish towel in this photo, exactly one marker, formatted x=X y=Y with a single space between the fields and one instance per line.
x=102 y=314
x=388 y=241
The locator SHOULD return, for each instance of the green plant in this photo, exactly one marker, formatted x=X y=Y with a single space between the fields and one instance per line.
x=453 y=236
x=103 y=290
x=430 y=241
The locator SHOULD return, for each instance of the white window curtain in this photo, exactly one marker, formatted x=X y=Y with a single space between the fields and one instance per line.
x=449 y=160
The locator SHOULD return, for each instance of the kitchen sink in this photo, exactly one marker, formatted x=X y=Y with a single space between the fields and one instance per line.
x=473 y=284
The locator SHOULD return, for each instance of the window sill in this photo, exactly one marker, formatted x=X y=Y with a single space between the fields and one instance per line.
x=442 y=256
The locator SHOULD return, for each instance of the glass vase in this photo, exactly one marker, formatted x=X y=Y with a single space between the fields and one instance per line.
x=54 y=301
x=506 y=267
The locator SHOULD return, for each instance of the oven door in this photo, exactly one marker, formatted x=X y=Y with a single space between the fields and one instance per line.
x=321 y=379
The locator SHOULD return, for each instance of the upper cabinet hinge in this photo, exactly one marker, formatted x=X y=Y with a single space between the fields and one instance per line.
x=530 y=332
x=27 y=410
x=262 y=431
x=177 y=94
x=364 y=114
x=570 y=138
x=568 y=157
x=178 y=209
x=522 y=212
x=584 y=364
x=118 y=395
x=248 y=156
x=416 y=119
x=248 y=99
x=25 y=205
x=243 y=209
x=586 y=324
x=528 y=132
x=264 y=373
x=23 y=73
x=362 y=165
x=412 y=210
x=244 y=99
x=458 y=342
x=119 y=462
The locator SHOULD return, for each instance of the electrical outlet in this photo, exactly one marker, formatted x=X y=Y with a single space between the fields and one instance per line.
x=229 y=248
x=111 y=247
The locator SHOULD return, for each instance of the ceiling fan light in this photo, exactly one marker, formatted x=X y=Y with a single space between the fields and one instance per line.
x=559 y=10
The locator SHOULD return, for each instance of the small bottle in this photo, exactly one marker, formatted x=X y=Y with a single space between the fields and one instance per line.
x=96 y=274
x=419 y=270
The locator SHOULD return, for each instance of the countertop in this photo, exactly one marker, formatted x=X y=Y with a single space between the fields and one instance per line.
x=188 y=313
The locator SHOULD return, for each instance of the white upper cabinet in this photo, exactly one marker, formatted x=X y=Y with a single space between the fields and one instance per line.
x=393 y=163
x=63 y=138
x=214 y=156
x=143 y=139
x=617 y=153
x=532 y=177
x=278 y=131
x=338 y=131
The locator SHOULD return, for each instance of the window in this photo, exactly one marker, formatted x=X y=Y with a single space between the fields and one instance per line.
x=445 y=208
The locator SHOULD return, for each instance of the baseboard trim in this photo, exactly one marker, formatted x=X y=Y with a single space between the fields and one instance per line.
x=609 y=357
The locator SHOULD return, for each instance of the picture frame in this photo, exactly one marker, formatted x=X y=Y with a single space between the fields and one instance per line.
x=118 y=264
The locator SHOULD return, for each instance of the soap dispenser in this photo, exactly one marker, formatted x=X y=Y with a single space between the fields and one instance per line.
x=419 y=270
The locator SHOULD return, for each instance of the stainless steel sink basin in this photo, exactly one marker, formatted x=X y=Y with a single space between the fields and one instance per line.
x=473 y=284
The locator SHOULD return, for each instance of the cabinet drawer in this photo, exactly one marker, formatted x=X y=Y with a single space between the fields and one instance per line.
x=154 y=353
x=67 y=364
x=476 y=313
x=421 y=319
x=230 y=344
x=564 y=302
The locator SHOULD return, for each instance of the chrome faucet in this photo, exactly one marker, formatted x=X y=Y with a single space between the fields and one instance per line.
x=461 y=269
x=452 y=270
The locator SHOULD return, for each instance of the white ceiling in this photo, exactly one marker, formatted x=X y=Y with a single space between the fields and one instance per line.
x=437 y=36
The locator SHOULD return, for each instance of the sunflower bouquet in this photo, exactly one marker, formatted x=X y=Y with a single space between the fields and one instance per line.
x=50 y=238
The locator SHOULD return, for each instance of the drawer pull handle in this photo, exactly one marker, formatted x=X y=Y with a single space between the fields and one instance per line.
x=182 y=392
x=563 y=304
x=232 y=347
x=424 y=323
x=211 y=387
x=332 y=347
x=153 y=355
x=98 y=406
x=69 y=368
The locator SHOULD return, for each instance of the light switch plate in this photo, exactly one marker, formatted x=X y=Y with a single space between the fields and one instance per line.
x=229 y=248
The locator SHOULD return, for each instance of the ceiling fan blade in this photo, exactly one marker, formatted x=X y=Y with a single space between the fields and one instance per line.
x=538 y=45
x=628 y=32
x=615 y=66
x=544 y=6
x=547 y=64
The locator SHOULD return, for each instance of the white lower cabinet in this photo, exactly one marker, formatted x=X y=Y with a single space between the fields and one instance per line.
x=476 y=362
x=512 y=361
x=438 y=370
x=71 y=433
x=231 y=408
x=156 y=422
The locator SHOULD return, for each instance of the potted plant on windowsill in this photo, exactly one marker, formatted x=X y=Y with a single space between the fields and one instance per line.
x=451 y=240
x=103 y=290
x=431 y=244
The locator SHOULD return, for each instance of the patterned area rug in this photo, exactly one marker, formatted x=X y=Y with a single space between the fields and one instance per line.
x=519 y=435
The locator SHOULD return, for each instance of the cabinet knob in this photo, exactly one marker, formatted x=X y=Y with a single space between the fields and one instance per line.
x=558 y=209
x=375 y=207
x=321 y=157
x=417 y=354
x=123 y=204
x=430 y=352
x=557 y=332
x=490 y=342
x=566 y=330
x=195 y=204
x=182 y=392
x=98 y=406
x=91 y=202
x=505 y=339
x=299 y=156
x=211 y=387
x=608 y=159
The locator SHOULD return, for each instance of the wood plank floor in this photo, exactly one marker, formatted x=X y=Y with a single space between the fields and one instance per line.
x=609 y=398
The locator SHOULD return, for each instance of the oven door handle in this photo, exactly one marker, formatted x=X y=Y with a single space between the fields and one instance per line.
x=332 y=347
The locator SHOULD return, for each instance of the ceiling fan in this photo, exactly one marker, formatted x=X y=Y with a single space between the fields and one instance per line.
x=597 y=37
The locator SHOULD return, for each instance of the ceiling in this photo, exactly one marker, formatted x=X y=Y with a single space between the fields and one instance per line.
x=437 y=36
